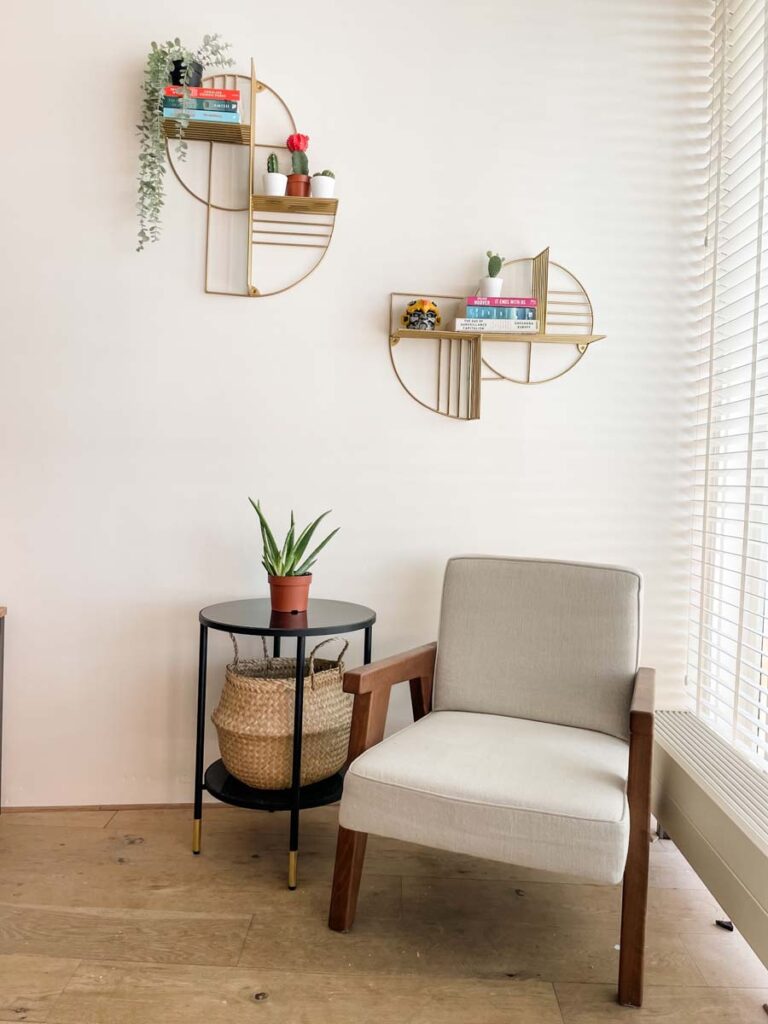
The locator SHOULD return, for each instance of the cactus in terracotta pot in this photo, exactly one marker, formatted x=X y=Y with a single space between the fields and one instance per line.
x=298 y=182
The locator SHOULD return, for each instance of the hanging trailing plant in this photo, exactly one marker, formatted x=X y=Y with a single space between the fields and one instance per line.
x=157 y=74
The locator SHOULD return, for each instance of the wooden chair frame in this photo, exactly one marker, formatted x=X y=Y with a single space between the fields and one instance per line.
x=371 y=686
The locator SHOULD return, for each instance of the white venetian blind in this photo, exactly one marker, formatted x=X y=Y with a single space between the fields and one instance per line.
x=728 y=646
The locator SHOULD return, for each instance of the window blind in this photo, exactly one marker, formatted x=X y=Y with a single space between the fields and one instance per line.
x=727 y=672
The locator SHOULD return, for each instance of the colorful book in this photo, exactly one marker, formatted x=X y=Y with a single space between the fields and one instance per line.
x=501 y=300
x=478 y=326
x=190 y=104
x=198 y=93
x=220 y=116
x=500 y=312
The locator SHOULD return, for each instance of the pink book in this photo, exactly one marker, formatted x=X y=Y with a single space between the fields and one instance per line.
x=502 y=300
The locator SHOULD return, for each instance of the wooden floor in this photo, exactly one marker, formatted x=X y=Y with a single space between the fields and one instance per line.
x=107 y=918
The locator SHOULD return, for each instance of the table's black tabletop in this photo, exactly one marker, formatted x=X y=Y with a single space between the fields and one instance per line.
x=256 y=617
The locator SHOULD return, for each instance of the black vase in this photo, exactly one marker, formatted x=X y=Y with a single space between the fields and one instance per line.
x=194 y=73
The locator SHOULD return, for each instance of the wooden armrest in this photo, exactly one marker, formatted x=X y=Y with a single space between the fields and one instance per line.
x=415 y=664
x=641 y=708
x=371 y=685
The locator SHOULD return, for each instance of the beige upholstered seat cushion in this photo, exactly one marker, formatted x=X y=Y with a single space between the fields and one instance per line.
x=542 y=796
x=551 y=641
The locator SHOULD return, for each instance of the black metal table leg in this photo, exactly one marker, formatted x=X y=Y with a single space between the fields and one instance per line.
x=275 y=646
x=368 y=645
x=298 y=716
x=200 y=750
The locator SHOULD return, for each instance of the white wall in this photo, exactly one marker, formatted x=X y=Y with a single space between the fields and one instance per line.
x=139 y=413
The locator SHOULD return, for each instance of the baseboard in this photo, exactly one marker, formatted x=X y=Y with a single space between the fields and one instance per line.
x=95 y=807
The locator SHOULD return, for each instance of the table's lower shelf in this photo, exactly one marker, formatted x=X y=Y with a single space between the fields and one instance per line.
x=225 y=787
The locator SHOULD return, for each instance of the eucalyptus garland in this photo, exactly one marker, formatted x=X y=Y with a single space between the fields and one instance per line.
x=152 y=166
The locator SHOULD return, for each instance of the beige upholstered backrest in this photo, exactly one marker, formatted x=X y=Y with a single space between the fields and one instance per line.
x=551 y=641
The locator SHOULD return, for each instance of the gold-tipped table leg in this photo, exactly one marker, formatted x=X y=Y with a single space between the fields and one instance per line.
x=196 y=833
x=293 y=869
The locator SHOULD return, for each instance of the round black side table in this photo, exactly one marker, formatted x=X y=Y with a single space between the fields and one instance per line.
x=256 y=618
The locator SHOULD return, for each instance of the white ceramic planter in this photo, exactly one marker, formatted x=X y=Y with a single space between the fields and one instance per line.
x=275 y=183
x=490 y=287
x=323 y=187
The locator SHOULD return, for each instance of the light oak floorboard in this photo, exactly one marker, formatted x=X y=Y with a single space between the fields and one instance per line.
x=120 y=994
x=101 y=933
x=29 y=985
x=440 y=937
x=56 y=819
x=596 y=1004
x=725 y=959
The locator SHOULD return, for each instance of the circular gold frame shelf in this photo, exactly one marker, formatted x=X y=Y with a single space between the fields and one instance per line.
x=566 y=319
x=285 y=221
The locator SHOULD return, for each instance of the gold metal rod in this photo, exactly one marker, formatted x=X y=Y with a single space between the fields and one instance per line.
x=196 y=835
x=296 y=223
x=298 y=245
x=564 y=291
x=451 y=352
x=251 y=156
x=530 y=357
x=439 y=368
x=293 y=869
x=234 y=295
x=208 y=212
x=303 y=234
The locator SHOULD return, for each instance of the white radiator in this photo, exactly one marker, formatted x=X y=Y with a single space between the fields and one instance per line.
x=714 y=805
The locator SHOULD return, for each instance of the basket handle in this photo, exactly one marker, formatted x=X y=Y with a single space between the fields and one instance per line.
x=237 y=652
x=314 y=651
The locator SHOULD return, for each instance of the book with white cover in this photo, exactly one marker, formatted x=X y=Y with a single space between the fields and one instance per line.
x=477 y=326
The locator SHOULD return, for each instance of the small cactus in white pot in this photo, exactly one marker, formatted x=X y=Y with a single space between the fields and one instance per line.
x=492 y=284
x=274 y=182
x=323 y=185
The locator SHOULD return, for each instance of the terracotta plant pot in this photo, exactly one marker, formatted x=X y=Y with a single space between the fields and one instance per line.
x=298 y=185
x=289 y=593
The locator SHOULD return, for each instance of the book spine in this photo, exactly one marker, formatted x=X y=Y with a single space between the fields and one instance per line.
x=502 y=300
x=178 y=102
x=500 y=312
x=218 y=116
x=198 y=93
x=497 y=326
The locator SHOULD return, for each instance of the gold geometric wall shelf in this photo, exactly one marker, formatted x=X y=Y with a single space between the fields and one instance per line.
x=293 y=224
x=448 y=381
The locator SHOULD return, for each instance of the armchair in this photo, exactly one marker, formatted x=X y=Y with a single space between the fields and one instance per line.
x=531 y=742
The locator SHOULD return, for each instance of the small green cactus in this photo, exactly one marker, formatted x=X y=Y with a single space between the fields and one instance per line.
x=300 y=162
x=495 y=263
x=272 y=163
x=323 y=174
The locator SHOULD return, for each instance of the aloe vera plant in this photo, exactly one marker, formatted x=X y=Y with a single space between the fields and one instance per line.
x=290 y=558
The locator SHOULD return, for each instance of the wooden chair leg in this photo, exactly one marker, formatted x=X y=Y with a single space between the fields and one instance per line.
x=350 y=854
x=634 y=901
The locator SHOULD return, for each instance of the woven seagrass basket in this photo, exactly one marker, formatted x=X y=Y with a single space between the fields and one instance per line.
x=254 y=719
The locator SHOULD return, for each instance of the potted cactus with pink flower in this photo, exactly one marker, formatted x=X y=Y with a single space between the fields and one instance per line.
x=298 y=182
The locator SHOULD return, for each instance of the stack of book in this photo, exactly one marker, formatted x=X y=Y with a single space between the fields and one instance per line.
x=504 y=314
x=219 y=105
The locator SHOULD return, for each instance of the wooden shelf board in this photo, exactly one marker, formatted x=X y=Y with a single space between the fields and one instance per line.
x=546 y=339
x=293 y=204
x=210 y=131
